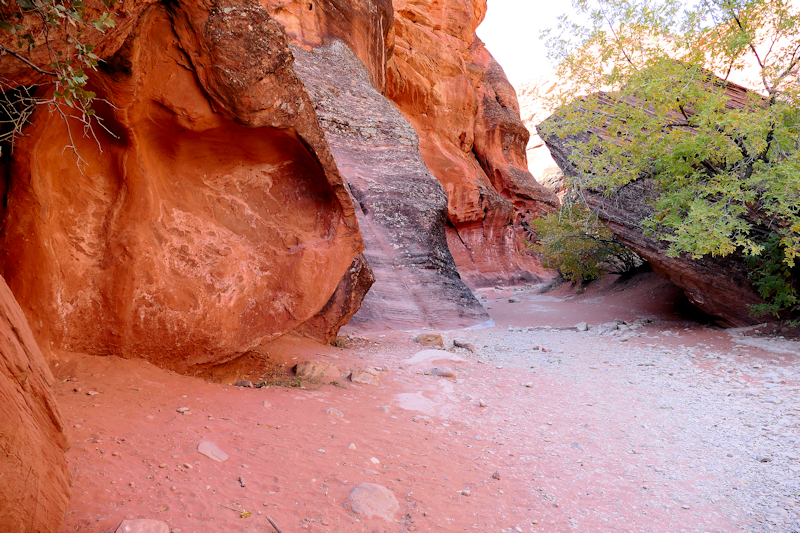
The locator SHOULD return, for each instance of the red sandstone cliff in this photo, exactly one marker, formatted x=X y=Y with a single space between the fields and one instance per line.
x=458 y=99
x=216 y=213
x=34 y=480
x=208 y=219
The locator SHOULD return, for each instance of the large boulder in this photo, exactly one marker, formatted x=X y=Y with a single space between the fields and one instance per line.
x=719 y=286
x=34 y=480
x=206 y=218
x=465 y=111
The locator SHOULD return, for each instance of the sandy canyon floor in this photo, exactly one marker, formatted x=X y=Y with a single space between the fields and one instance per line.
x=674 y=426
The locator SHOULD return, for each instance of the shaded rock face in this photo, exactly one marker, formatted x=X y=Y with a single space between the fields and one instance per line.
x=344 y=303
x=34 y=480
x=213 y=220
x=402 y=207
x=458 y=99
x=717 y=286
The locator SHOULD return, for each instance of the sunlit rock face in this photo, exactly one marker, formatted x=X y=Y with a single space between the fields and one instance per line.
x=535 y=107
x=206 y=218
x=35 y=480
x=458 y=99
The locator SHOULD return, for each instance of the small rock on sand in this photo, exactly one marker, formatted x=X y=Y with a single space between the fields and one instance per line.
x=458 y=343
x=373 y=500
x=513 y=300
x=443 y=372
x=212 y=451
x=429 y=339
x=143 y=525
x=318 y=372
x=182 y=410
x=244 y=383
x=366 y=375
x=582 y=326
x=482 y=403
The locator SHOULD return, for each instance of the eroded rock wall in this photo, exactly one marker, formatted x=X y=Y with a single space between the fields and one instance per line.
x=458 y=99
x=401 y=205
x=34 y=480
x=207 y=217
x=210 y=216
x=535 y=106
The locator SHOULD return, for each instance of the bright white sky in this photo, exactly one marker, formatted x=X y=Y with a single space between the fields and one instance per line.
x=511 y=33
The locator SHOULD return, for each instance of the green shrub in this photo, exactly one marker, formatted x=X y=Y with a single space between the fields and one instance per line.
x=578 y=246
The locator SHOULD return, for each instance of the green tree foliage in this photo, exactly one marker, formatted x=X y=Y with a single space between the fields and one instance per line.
x=578 y=246
x=726 y=162
x=56 y=30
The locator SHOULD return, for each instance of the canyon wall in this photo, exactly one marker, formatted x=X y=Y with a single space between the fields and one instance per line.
x=458 y=99
x=402 y=207
x=254 y=169
x=34 y=479
x=535 y=107
x=213 y=211
x=205 y=218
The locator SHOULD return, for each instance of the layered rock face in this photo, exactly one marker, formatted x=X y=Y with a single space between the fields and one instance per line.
x=401 y=205
x=207 y=217
x=458 y=99
x=718 y=286
x=34 y=480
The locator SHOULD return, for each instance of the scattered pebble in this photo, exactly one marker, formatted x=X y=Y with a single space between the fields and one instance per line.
x=212 y=451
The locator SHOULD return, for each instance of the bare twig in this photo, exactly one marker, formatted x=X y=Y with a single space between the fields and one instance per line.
x=231 y=508
x=274 y=524
x=4 y=51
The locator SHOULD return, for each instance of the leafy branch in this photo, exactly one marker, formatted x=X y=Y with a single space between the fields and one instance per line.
x=48 y=37
x=724 y=158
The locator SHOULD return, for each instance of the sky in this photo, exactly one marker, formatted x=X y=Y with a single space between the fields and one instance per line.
x=511 y=33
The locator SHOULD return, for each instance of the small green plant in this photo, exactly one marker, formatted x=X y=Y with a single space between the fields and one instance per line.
x=55 y=30
x=774 y=280
x=578 y=246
